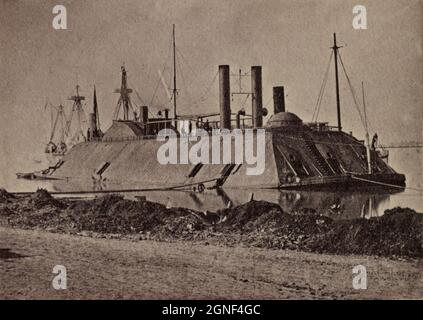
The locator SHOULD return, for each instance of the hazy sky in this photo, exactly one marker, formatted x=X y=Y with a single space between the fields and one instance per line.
x=290 y=39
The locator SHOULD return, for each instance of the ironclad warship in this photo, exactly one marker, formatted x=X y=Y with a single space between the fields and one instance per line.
x=298 y=155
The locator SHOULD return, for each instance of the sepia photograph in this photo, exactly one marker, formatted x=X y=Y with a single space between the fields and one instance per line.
x=211 y=150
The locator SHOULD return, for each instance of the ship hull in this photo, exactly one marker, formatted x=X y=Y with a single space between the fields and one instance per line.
x=293 y=160
x=393 y=182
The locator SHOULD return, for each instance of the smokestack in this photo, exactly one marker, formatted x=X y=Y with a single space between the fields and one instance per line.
x=166 y=112
x=257 y=99
x=278 y=99
x=143 y=118
x=225 y=97
x=144 y=114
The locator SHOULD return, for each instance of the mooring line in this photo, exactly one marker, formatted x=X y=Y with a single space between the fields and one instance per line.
x=178 y=187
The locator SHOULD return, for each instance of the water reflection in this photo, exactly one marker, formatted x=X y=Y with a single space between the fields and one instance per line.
x=337 y=205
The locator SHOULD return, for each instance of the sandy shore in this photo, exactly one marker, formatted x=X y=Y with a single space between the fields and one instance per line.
x=122 y=269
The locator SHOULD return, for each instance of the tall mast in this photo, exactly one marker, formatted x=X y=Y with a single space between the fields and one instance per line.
x=77 y=107
x=96 y=115
x=174 y=74
x=369 y=159
x=338 y=102
x=124 y=99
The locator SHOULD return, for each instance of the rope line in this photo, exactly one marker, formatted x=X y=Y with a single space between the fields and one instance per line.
x=353 y=93
x=159 y=80
x=203 y=97
x=138 y=96
x=185 y=61
x=365 y=121
x=184 y=82
x=177 y=187
x=321 y=92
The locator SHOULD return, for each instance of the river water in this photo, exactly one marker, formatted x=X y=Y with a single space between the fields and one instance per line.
x=337 y=205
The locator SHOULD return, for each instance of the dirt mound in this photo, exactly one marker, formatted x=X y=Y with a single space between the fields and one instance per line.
x=265 y=216
x=397 y=233
x=42 y=198
x=250 y=216
x=5 y=196
x=186 y=226
x=114 y=214
x=256 y=223
x=265 y=224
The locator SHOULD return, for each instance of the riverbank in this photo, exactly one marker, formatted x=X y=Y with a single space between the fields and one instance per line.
x=398 y=233
x=124 y=269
